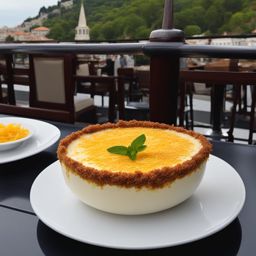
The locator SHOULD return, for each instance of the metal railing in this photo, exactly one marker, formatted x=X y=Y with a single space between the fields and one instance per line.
x=164 y=75
x=165 y=48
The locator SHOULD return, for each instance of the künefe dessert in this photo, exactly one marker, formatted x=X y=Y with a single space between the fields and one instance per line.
x=166 y=169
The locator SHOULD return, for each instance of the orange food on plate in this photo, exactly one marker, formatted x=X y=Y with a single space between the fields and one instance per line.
x=11 y=132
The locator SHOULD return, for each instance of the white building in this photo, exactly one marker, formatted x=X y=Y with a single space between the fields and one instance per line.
x=66 y=4
x=82 y=30
x=250 y=41
x=4 y=32
x=228 y=42
x=40 y=31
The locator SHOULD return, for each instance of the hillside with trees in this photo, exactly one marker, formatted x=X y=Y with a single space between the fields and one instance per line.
x=135 y=19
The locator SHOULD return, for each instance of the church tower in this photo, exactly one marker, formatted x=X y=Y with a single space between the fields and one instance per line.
x=82 y=30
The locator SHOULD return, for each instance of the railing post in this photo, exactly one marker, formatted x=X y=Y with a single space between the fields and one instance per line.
x=164 y=71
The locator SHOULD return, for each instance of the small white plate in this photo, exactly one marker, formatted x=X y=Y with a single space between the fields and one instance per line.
x=214 y=205
x=44 y=135
x=13 y=144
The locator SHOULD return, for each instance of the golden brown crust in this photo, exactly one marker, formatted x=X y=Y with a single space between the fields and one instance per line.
x=153 y=179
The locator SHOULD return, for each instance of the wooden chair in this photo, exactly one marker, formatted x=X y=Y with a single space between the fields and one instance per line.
x=143 y=78
x=52 y=92
x=52 y=86
x=135 y=107
x=99 y=88
x=209 y=90
x=127 y=76
x=6 y=77
x=3 y=94
x=99 y=85
x=220 y=78
x=185 y=103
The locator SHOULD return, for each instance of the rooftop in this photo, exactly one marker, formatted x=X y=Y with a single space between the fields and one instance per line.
x=41 y=29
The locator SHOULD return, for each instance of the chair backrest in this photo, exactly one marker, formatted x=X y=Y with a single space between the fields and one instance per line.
x=223 y=65
x=6 y=73
x=83 y=70
x=125 y=72
x=48 y=72
x=51 y=82
x=125 y=75
x=143 y=77
x=1 y=92
x=51 y=89
x=108 y=83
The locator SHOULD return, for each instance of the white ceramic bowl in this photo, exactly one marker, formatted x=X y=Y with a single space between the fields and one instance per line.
x=136 y=192
x=133 y=201
x=13 y=144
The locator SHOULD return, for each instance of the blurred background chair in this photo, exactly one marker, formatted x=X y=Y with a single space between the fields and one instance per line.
x=52 y=92
x=100 y=85
x=52 y=86
x=128 y=79
x=135 y=104
x=143 y=79
x=219 y=79
x=6 y=77
x=3 y=94
x=99 y=88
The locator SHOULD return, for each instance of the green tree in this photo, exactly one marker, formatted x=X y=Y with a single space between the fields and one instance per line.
x=43 y=10
x=131 y=25
x=120 y=19
x=214 y=18
x=9 y=39
x=237 y=19
x=191 y=30
x=233 y=5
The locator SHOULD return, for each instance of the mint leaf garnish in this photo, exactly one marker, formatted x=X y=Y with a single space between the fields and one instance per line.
x=131 y=151
x=120 y=150
x=139 y=141
x=141 y=148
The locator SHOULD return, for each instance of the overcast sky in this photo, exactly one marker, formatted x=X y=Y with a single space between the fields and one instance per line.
x=14 y=12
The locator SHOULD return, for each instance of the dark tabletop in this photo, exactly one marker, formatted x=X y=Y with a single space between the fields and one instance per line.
x=22 y=233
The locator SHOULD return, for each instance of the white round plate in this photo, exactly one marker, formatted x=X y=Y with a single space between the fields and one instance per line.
x=214 y=205
x=44 y=135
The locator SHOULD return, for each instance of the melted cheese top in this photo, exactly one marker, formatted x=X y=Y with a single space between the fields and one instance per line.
x=164 y=148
